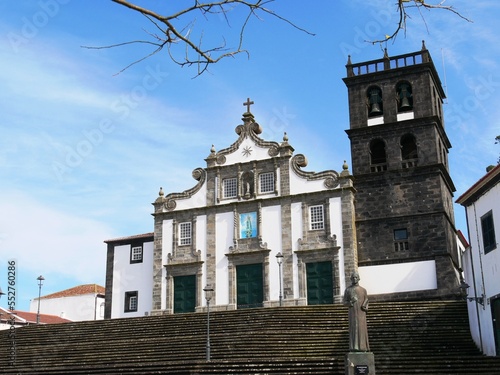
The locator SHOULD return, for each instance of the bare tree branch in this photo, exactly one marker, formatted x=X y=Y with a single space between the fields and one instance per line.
x=172 y=32
x=402 y=8
x=179 y=28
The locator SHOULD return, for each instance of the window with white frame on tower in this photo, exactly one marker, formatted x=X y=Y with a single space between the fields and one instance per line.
x=317 y=217
x=185 y=233
x=230 y=188
x=136 y=254
x=131 y=301
x=266 y=182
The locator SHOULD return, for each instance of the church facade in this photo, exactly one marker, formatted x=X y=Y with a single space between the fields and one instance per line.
x=254 y=214
x=261 y=230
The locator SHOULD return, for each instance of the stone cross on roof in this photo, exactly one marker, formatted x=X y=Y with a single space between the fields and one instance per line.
x=248 y=104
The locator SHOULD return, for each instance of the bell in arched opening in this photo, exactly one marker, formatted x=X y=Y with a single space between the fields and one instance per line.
x=405 y=97
x=375 y=102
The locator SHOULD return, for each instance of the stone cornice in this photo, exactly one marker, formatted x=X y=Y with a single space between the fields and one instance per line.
x=330 y=177
x=169 y=202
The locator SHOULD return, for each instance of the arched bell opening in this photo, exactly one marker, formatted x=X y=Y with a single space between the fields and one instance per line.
x=374 y=101
x=404 y=97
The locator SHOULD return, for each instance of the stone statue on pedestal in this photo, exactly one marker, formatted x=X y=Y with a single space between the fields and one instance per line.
x=356 y=298
x=359 y=360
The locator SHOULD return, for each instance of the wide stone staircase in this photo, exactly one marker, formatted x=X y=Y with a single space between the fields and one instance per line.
x=406 y=338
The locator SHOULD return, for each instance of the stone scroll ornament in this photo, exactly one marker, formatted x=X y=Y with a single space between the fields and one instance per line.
x=356 y=298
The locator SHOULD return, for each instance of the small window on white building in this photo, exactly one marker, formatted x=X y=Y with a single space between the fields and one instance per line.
x=230 y=188
x=131 y=301
x=185 y=233
x=317 y=217
x=488 y=230
x=266 y=182
x=136 y=254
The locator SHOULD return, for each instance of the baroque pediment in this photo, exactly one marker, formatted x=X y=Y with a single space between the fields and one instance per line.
x=330 y=177
x=248 y=146
x=169 y=202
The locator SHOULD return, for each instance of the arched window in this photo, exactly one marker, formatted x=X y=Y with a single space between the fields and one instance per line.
x=378 y=156
x=405 y=97
x=374 y=100
x=409 y=154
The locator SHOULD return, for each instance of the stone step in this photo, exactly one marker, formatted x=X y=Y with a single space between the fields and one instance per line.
x=407 y=337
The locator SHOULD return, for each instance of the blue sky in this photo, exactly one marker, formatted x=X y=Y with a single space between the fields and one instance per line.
x=84 y=151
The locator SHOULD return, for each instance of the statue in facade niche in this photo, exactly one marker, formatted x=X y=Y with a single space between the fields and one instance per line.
x=356 y=298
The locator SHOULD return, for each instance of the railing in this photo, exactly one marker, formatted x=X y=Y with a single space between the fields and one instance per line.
x=401 y=246
x=409 y=163
x=381 y=167
x=387 y=63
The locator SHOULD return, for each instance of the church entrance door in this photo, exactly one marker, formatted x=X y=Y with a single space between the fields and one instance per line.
x=184 y=294
x=319 y=283
x=249 y=286
x=495 y=313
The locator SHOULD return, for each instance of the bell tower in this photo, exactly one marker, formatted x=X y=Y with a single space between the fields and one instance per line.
x=404 y=212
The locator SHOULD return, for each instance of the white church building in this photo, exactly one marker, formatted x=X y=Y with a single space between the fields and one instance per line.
x=261 y=230
x=254 y=221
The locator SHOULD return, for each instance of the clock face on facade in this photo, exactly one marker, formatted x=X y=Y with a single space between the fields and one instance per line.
x=248 y=225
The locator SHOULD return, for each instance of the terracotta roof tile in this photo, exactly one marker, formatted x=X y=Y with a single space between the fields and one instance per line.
x=25 y=317
x=77 y=291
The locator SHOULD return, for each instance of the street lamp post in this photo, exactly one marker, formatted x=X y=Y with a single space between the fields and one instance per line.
x=208 y=296
x=40 y=283
x=1 y=294
x=279 y=259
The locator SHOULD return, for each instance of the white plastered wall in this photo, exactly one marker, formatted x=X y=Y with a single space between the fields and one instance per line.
x=271 y=234
x=201 y=244
x=224 y=239
x=128 y=277
x=486 y=268
x=166 y=243
x=400 y=277
x=336 y=229
x=296 y=219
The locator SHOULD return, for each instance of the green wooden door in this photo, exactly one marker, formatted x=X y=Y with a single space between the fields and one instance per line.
x=319 y=283
x=184 y=294
x=495 y=313
x=249 y=286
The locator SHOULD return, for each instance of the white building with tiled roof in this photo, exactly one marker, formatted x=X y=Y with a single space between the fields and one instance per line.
x=481 y=261
x=18 y=318
x=82 y=302
x=129 y=276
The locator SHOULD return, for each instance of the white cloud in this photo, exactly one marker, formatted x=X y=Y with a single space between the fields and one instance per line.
x=46 y=240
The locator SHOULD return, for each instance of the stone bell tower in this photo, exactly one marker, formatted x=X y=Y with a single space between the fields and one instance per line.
x=404 y=212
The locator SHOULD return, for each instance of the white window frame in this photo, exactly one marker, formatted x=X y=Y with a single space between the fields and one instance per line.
x=185 y=233
x=136 y=254
x=317 y=217
x=230 y=187
x=266 y=180
x=131 y=301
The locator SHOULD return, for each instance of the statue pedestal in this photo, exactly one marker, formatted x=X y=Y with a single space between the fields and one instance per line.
x=360 y=363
